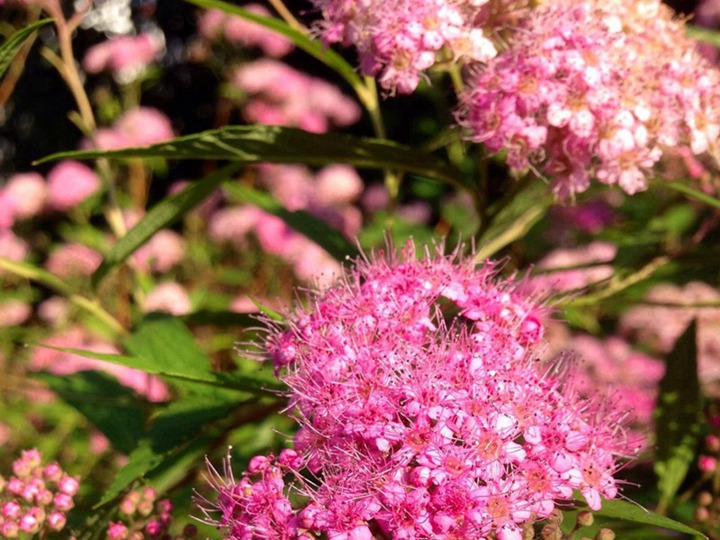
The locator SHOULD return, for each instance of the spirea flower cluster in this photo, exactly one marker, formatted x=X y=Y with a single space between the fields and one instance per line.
x=35 y=498
x=595 y=90
x=397 y=41
x=424 y=412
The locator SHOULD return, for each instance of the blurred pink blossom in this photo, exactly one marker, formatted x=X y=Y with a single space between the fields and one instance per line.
x=125 y=55
x=660 y=326
x=213 y=22
x=590 y=256
x=281 y=95
x=73 y=260
x=12 y=247
x=590 y=217
x=140 y=126
x=27 y=193
x=169 y=297
x=232 y=224
x=70 y=183
x=64 y=363
x=54 y=311
x=13 y=313
x=161 y=253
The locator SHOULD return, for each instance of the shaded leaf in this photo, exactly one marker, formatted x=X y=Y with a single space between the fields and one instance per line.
x=275 y=144
x=12 y=45
x=627 y=511
x=311 y=46
x=678 y=416
x=692 y=193
x=111 y=407
x=330 y=239
x=165 y=213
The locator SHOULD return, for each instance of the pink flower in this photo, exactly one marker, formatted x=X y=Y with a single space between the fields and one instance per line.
x=12 y=247
x=170 y=297
x=13 y=313
x=69 y=184
x=143 y=126
x=595 y=90
x=570 y=269
x=73 y=260
x=423 y=412
x=281 y=95
x=161 y=253
x=126 y=56
x=28 y=193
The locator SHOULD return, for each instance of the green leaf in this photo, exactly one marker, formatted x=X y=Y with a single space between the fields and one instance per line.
x=275 y=144
x=303 y=41
x=627 y=511
x=515 y=220
x=330 y=239
x=12 y=45
x=703 y=34
x=692 y=193
x=111 y=407
x=140 y=461
x=165 y=213
x=678 y=417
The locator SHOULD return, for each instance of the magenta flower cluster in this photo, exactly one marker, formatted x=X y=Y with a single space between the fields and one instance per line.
x=595 y=90
x=144 y=516
x=35 y=499
x=424 y=412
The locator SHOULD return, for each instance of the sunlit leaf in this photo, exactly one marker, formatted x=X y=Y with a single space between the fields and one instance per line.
x=12 y=45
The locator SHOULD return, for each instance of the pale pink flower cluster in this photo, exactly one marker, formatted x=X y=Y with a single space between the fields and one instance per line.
x=595 y=90
x=424 y=412
x=14 y=312
x=163 y=252
x=575 y=268
x=281 y=95
x=214 y=22
x=73 y=260
x=65 y=363
x=168 y=296
x=660 y=326
x=144 y=516
x=328 y=195
x=22 y=197
x=398 y=41
x=140 y=126
x=35 y=499
x=125 y=56
x=70 y=183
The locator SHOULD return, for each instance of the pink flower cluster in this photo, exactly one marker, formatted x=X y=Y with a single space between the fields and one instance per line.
x=577 y=268
x=34 y=500
x=140 y=126
x=399 y=40
x=424 y=412
x=328 y=195
x=143 y=516
x=126 y=56
x=215 y=22
x=281 y=95
x=595 y=90
x=659 y=326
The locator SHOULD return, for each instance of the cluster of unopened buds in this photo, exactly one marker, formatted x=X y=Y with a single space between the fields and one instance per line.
x=143 y=516
x=707 y=497
x=35 y=499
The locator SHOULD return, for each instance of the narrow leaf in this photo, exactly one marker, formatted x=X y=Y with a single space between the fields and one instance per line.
x=313 y=47
x=693 y=193
x=12 y=45
x=165 y=213
x=330 y=239
x=627 y=511
x=140 y=461
x=703 y=34
x=109 y=406
x=275 y=144
x=678 y=417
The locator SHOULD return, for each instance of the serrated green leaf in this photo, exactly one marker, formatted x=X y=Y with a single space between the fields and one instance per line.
x=678 y=417
x=313 y=47
x=165 y=213
x=275 y=144
x=12 y=45
x=328 y=238
x=111 y=407
x=627 y=511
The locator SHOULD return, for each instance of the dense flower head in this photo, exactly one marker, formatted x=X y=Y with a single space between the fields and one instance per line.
x=595 y=90
x=398 y=41
x=424 y=410
x=36 y=497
